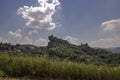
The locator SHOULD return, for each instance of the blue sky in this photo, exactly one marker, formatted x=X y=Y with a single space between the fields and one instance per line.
x=96 y=22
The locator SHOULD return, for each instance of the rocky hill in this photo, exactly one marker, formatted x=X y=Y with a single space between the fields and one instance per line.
x=62 y=50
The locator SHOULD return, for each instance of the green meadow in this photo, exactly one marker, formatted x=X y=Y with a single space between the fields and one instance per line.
x=46 y=69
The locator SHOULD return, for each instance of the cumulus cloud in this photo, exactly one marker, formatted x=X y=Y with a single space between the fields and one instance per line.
x=27 y=40
x=40 y=17
x=112 y=25
x=41 y=42
x=72 y=40
x=33 y=32
x=15 y=37
x=106 y=42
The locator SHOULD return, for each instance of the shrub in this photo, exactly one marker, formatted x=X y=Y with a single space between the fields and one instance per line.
x=42 y=67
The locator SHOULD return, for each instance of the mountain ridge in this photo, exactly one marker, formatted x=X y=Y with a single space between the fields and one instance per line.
x=113 y=49
x=63 y=50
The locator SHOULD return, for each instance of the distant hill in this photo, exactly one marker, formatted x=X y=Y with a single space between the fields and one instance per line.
x=60 y=49
x=114 y=49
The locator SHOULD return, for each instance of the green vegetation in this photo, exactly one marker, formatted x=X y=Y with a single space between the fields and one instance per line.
x=59 y=60
x=42 y=67
x=62 y=50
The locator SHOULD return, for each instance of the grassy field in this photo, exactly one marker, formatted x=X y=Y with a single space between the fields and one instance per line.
x=42 y=67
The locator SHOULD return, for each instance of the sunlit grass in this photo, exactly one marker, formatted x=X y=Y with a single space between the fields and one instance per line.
x=42 y=67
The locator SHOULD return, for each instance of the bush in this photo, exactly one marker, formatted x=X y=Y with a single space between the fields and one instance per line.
x=41 y=67
x=2 y=74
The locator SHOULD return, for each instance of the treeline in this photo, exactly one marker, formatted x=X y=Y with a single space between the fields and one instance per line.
x=62 y=50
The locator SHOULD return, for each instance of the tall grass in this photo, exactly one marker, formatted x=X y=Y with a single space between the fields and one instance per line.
x=41 y=67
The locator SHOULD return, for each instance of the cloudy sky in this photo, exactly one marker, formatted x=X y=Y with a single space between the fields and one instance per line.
x=96 y=22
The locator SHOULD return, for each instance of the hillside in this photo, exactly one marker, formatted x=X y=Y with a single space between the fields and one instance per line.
x=62 y=50
x=113 y=49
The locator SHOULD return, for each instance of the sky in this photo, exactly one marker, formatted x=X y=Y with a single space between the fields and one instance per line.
x=96 y=22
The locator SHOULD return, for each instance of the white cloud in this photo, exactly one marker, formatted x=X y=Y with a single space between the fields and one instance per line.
x=40 y=17
x=72 y=40
x=14 y=37
x=106 y=42
x=33 y=32
x=41 y=42
x=27 y=40
x=112 y=25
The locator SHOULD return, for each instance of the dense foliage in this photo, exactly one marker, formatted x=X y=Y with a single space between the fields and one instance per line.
x=62 y=50
x=42 y=67
x=59 y=60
